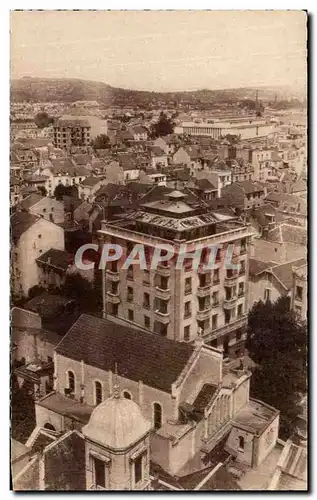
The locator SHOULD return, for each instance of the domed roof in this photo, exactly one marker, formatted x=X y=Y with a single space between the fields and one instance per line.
x=116 y=423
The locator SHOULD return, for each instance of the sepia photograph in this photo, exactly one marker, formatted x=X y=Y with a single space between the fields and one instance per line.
x=158 y=250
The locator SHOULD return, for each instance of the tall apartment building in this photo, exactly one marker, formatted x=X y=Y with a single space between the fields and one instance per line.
x=184 y=303
x=71 y=131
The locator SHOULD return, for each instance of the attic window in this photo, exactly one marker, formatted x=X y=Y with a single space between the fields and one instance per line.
x=241 y=443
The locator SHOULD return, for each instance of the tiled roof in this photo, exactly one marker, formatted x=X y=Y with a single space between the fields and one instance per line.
x=21 y=222
x=284 y=272
x=205 y=185
x=157 y=151
x=288 y=233
x=90 y=181
x=155 y=360
x=55 y=258
x=204 y=396
x=257 y=267
x=250 y=187
x=30 y=201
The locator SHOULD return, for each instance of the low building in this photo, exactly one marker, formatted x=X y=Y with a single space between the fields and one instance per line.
x=89 y=187
x=245 y=195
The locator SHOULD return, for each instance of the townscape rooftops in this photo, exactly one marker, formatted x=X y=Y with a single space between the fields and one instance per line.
x=30 y=201
x=155 y=360
x=91 y=181
x=250 y=187
x=47 y=304
x=288 y=233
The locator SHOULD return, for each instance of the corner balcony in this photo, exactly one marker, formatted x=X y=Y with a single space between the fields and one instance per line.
x=230 y=303
x=162 y=293
x=162 y=317
x=163 y=270
x=112 y=275
x=203 y=291
x=113 y=298
x=204 y=314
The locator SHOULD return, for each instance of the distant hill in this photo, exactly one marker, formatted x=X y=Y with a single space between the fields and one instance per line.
x=71 y=90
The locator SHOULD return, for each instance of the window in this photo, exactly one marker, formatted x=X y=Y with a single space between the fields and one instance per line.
x=240 y=310
x=98 y=393
x=215 y=298
x=188 y=286
x=216 y=276
x=157 y=415
x=241 y=289
x=146 y=300
x=187 y=311
x=44 y=210
x=100 y=473
x=214 y=321
x=138 y=470
x=71 y=380
x=130 y=273
x=299 y=293
x=241 y=443
x=130 y=294
x=39 y=236
x=187 y=333
x=146 y=322
x=127 y=395
x=130 y=315
x=146 y=279
x=267 y=294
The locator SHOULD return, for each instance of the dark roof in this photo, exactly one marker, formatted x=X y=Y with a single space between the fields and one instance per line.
x=55 y=258
x=257 y=266
x=205 y=185
x=90 y=181
x=30 y=201
x=204 y=397
x=157 y=151
x=155 y=360
x=284 y=272
x=21 y=222
x=47 y=304
x=250 y=186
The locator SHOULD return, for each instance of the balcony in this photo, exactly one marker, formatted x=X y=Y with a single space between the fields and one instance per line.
x=113 y=298
x=243 y=250
x=163 y=270
x=230 y=303
x=112 y=275
x=162 y=317
x=204 y=313
x=203 y=270
x=214 y=333
x=203 y=291
x=231 y=280
x=162 y=293
x=215 y=303
x=215 y=282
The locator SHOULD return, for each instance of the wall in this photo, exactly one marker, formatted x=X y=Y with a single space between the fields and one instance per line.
x=258 y=285
x=267 y=251
x=30 y=247
x=181 y=452
x=241 y=395
x=23 y=318
x=143 y=395
x=50 y=209
x=44 y=415
x=232 y=443
x=181 y=157
x=30 y=346
x=266 y=442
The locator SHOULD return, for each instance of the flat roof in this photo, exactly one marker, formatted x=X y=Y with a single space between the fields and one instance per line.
x=255 y=416
x=66 y=406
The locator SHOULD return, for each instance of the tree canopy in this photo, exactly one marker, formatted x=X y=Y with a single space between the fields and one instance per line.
x=43 y=120
x=62 y=190
x=277 y=343
x=102 y=141
x=164 y=126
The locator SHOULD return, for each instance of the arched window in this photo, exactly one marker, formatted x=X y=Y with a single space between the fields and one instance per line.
x=71 y=380
x=49 y=426
x=157 y=415
x=241 y=443
x=127 y=395
x=98 y=393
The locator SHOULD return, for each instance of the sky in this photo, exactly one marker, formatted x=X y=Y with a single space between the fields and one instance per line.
x=162 y=50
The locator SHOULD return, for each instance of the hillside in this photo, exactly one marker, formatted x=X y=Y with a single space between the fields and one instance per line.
x=71 y=90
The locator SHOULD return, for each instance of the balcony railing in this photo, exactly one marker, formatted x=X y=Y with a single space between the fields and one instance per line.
x=204 y=313
x=229 y=303
x=112 y=275
x=162 y=293
x=215 y=303
x=163 y=270
x=163 y=317
x=113 y=298
x=203 y=291
x=231 y=280
x=214 y=333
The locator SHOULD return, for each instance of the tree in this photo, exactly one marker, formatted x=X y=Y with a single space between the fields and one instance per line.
x=102 y=141
x=43 y=120
x=164 y=126
x=62 y=190
x=88 y=295
x=232 y=139
x=42 y=190
x=277 y=343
